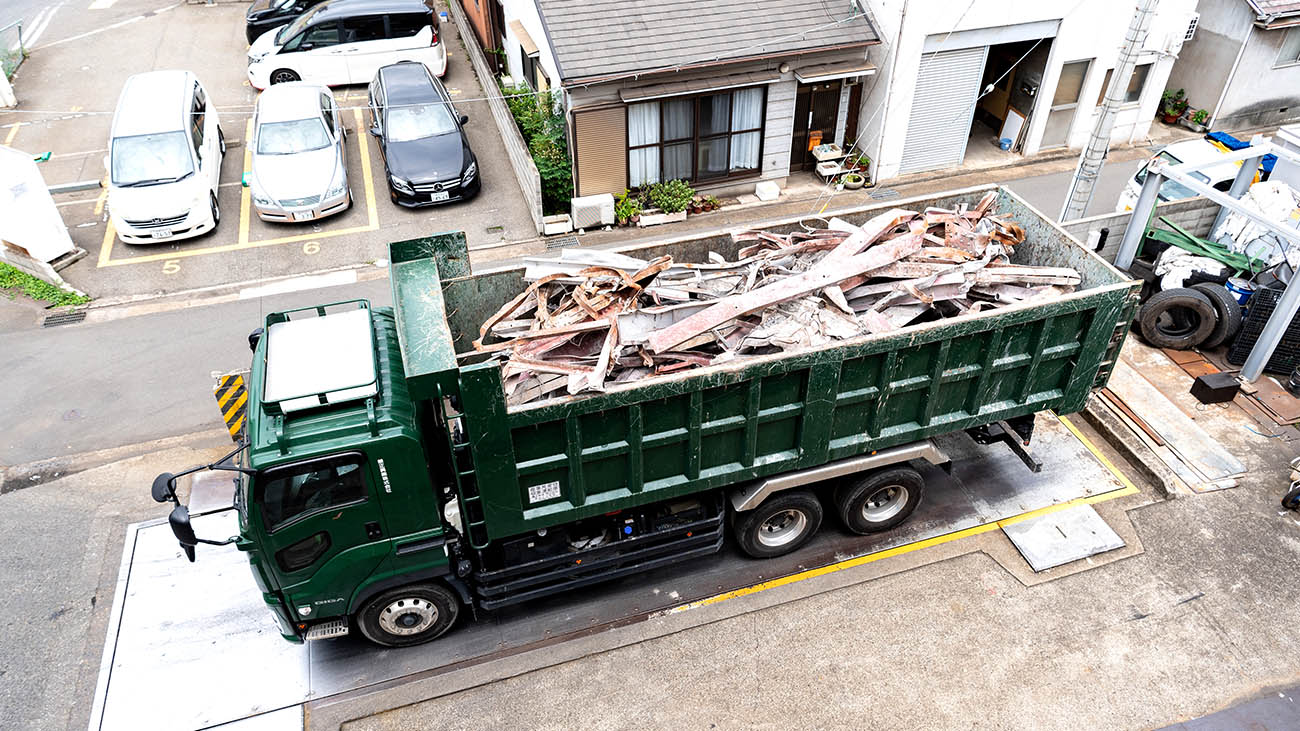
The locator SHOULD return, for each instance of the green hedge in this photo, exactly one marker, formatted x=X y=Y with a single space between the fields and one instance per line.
x=543 y=131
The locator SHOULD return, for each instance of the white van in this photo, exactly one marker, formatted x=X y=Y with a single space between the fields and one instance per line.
x=346 y=41
x=164 y=159
x=1218 y=175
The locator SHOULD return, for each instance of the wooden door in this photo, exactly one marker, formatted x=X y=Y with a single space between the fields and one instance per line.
x=816 y=110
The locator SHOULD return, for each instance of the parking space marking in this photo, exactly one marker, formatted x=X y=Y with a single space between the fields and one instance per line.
x=13 y=132
x=245 y=194
x=372 y=221
x=1128 y=489
x=101 y=4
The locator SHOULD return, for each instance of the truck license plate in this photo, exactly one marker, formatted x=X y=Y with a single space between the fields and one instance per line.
x=441 y=195
x=302 y=215
x=165 y=233
x=548 y=491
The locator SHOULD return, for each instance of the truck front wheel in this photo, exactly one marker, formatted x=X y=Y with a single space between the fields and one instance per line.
x=879 y=501
x=409 y=615
x=781 y=524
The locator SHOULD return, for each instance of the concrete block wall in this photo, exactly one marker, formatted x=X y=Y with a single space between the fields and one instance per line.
x=1196 y=216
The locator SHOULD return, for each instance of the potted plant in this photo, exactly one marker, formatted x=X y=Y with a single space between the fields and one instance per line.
x=1172 y=105
x=670 y=200
x=853 y=181
x=711 y=203
x=1196 y=121
x=627 y=208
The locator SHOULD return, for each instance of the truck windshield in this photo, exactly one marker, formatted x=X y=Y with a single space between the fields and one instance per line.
x=296 y=491
x=151 y=159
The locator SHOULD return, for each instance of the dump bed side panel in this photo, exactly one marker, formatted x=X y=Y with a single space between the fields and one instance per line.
x=581 y=456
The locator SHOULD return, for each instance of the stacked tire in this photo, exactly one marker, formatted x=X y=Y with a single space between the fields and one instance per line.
x=1205 y=315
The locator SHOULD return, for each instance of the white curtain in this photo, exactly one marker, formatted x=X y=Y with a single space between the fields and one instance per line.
x=643 y=129
x=679 y=119
x=746 y=113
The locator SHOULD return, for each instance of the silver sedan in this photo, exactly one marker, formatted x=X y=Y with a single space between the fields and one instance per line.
x=299 y=170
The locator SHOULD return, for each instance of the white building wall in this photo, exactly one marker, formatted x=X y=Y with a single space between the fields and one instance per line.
x=1087 y=30
x=525 y=11
x=778 y=127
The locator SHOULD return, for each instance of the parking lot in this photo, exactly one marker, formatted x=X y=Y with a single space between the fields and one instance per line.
x=68 y=91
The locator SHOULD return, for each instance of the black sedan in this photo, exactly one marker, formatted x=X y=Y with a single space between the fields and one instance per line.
x=264 y=15
x=421 y=137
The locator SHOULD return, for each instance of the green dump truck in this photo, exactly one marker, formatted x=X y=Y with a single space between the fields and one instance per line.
x=385 y=486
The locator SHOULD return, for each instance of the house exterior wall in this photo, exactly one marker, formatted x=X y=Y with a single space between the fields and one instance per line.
x=525 y=11
x=1206 y=62
x=1088 y=30
x=1260 y=93
x=476 y=12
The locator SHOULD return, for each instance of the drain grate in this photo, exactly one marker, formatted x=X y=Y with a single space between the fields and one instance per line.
x=64 y=318
x=881 y=194
x=560 y=242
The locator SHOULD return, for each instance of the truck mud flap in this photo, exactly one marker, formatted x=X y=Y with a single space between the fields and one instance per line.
x=535 y=579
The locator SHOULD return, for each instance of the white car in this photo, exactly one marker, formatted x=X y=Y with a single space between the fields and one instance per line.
x=1219 y=176
x=299 y=169
x=164 y=159
x=346 y=41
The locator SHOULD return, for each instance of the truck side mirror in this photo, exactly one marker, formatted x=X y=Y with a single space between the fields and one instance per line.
x=254 y=337
x=180 y=522
x=162 y=487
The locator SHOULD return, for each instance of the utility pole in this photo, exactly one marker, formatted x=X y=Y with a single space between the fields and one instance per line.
x=1094 y=155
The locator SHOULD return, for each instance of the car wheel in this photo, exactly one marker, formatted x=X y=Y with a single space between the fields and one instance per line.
x=1178 y=319
x=284 y=76
x=216 y=210
x=409 y=615
x=1227 y=309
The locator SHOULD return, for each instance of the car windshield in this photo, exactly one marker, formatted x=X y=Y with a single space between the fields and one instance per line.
x=286 y=138
x=1172 y=190
x=151 y=159
x=297 y=26
x=413 y=122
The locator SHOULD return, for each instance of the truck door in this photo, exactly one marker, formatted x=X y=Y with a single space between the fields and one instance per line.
x=322 y=520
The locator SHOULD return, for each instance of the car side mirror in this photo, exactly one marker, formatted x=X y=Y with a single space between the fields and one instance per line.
x=374 y=130
x=464 y=119
x=180 y=523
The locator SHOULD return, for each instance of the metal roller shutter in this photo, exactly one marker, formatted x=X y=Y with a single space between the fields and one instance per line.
x=947 y=86
x=600 y=141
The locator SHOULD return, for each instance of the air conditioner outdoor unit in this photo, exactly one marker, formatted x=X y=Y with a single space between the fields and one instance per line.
x=593 y=210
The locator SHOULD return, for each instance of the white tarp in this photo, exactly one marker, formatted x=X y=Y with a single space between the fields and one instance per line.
x=28 y=216
x=1276 y=201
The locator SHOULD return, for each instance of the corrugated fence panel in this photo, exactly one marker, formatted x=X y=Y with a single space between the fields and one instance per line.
x=947 y=85
x=600 y=140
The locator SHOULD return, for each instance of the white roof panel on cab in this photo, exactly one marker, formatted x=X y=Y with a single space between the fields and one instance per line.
x=316 y=361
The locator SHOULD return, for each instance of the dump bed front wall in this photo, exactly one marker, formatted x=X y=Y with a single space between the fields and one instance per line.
x=770 y=414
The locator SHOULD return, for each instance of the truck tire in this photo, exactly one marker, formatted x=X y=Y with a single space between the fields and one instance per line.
x=1229 y=313
x=879 y=501
x=1178 y=319
x=784 y=522
x=409 y=615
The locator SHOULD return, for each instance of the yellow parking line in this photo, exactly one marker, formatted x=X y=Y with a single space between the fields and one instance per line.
x=245 y=195
x=363 y=143
x=106 y=249
x=185 y=254
x=13 y=132
x=103 y=196
x=1128 y=489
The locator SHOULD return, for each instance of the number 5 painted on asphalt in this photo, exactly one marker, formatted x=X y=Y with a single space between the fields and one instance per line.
x=171 y=266
x=311 y=247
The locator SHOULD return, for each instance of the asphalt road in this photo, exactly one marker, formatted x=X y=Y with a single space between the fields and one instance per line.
x=1047 y=192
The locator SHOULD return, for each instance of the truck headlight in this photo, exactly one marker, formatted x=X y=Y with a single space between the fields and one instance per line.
x=468 y=176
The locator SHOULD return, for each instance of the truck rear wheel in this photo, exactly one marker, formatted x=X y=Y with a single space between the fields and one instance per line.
x=781 y=524
x=409 y=615
x=879 y=501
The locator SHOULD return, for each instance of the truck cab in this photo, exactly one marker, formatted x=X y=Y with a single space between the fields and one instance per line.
x=330 y=432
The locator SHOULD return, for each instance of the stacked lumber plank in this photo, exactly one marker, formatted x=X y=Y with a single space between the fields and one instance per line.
x=592 y=318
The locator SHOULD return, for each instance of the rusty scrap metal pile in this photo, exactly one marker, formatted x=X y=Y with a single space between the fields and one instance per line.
x=590 y=318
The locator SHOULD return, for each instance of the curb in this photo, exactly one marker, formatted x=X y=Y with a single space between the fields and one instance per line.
x=1119 y=436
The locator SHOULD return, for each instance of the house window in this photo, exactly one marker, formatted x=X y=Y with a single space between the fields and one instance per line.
x=530 y=68
x=1136 y=83
x=1290 y=48
x=699 y=138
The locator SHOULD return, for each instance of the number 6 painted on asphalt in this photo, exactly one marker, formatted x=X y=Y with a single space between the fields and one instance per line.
x=311 y=247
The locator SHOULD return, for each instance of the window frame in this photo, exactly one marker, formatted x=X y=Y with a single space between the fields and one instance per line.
x=198 y=117
x=695 y=137
x=1110 y=72
x=265 y=476
x=1279 y=63
x=382 y=21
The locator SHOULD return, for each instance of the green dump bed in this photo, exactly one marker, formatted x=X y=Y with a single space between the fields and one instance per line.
x=571 y=457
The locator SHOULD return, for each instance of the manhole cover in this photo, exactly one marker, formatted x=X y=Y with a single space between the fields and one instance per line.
x=881 y=194
x=64 y=318
x=560 y=242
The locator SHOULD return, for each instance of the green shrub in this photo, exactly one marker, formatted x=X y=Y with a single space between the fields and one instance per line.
x=626 y=205
x=38 y=289
x=671 y=196
x=543 y=132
